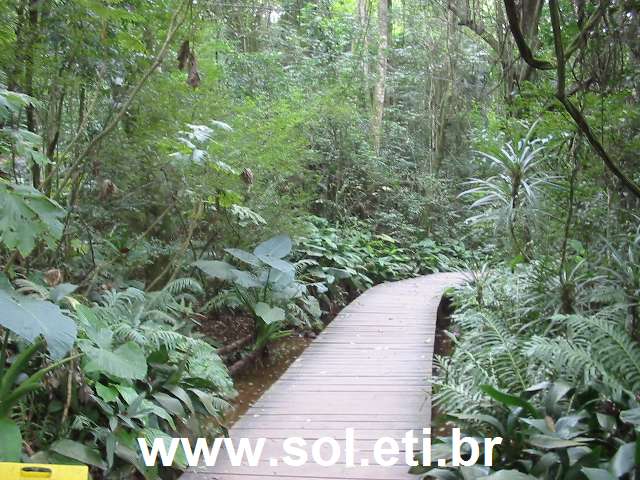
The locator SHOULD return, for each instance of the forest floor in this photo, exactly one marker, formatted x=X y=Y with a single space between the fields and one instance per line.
x=256 y=379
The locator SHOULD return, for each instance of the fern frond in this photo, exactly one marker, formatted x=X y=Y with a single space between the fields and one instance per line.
x=27 y=287
x=596 y=350
x=615 y=348
x=302 y=265
x=165 y=338
x=127 y=333
x=225 y=298
x=183 y=285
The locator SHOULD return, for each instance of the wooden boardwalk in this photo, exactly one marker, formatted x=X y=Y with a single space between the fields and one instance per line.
x=367 y=370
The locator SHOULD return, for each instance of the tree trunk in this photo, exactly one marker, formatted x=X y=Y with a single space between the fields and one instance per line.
x=28 y=82
x=529 y=21
x=379 y=90
x=363 y=24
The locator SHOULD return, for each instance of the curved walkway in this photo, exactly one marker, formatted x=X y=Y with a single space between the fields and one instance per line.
x=367 y=370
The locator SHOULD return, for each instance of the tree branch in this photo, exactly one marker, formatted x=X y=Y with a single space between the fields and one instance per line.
x=581 y=38
x=477 y=27
x=176 y=21
x=523 y=47
x=577 y=116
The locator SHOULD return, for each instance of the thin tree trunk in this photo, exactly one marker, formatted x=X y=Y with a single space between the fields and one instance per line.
x=441 y=125
x=379 y=90
x=363 y=24
x=28 y=82
x=55 y=126
x=74 y=170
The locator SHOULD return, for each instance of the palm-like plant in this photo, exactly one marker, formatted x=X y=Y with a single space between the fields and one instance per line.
x=511 y=197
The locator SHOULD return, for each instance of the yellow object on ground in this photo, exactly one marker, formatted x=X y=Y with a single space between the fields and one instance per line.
x=26 y=471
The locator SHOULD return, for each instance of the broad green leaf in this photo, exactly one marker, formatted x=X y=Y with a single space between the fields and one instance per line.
x=147 y=406
x=510 y=400
x=597 y=474
x=78 y=451
x=87 y=316
x=631 y=416
x=246 y=279
x=338 y=273
x=277 y=263
x=569 y=426
x=624 y=460
x=438 y=473
x=269 y=314
x=29 y=318
x=169 y=403
x=206 y=401
x=181 y=393
x=127 y=361
x=129 y=394
x=128 y=450
x=277 y=247
x=488 y=419
x=278 y=278
x=102 y=337
x=538 y=424
x=509 y=475
x=545 y=463
x=549 y=442
x=108 y=394
x=216 y=269
x=607 y=422
x=473 y=472
x=243 y=256
x=557 y=391
x=61 y=291
x=27 y=216
x=5 y=284
x=14 y=102
x=10 y=441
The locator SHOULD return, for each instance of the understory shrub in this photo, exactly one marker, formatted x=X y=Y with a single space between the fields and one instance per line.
x=561 y=388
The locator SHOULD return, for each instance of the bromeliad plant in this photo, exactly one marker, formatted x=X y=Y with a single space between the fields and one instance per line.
x=511 y=199
x=266 y=288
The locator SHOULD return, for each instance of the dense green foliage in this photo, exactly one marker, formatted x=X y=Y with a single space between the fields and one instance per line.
x=163 y=164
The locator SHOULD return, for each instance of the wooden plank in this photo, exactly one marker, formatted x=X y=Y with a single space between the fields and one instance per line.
x=367 y=371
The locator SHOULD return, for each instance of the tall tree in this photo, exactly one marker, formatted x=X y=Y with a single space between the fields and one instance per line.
x=379 y=89
x=363 y=25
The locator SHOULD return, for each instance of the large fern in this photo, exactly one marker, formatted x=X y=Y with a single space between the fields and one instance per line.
x=156 y=320
x=490 y=352
x=595 y=350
